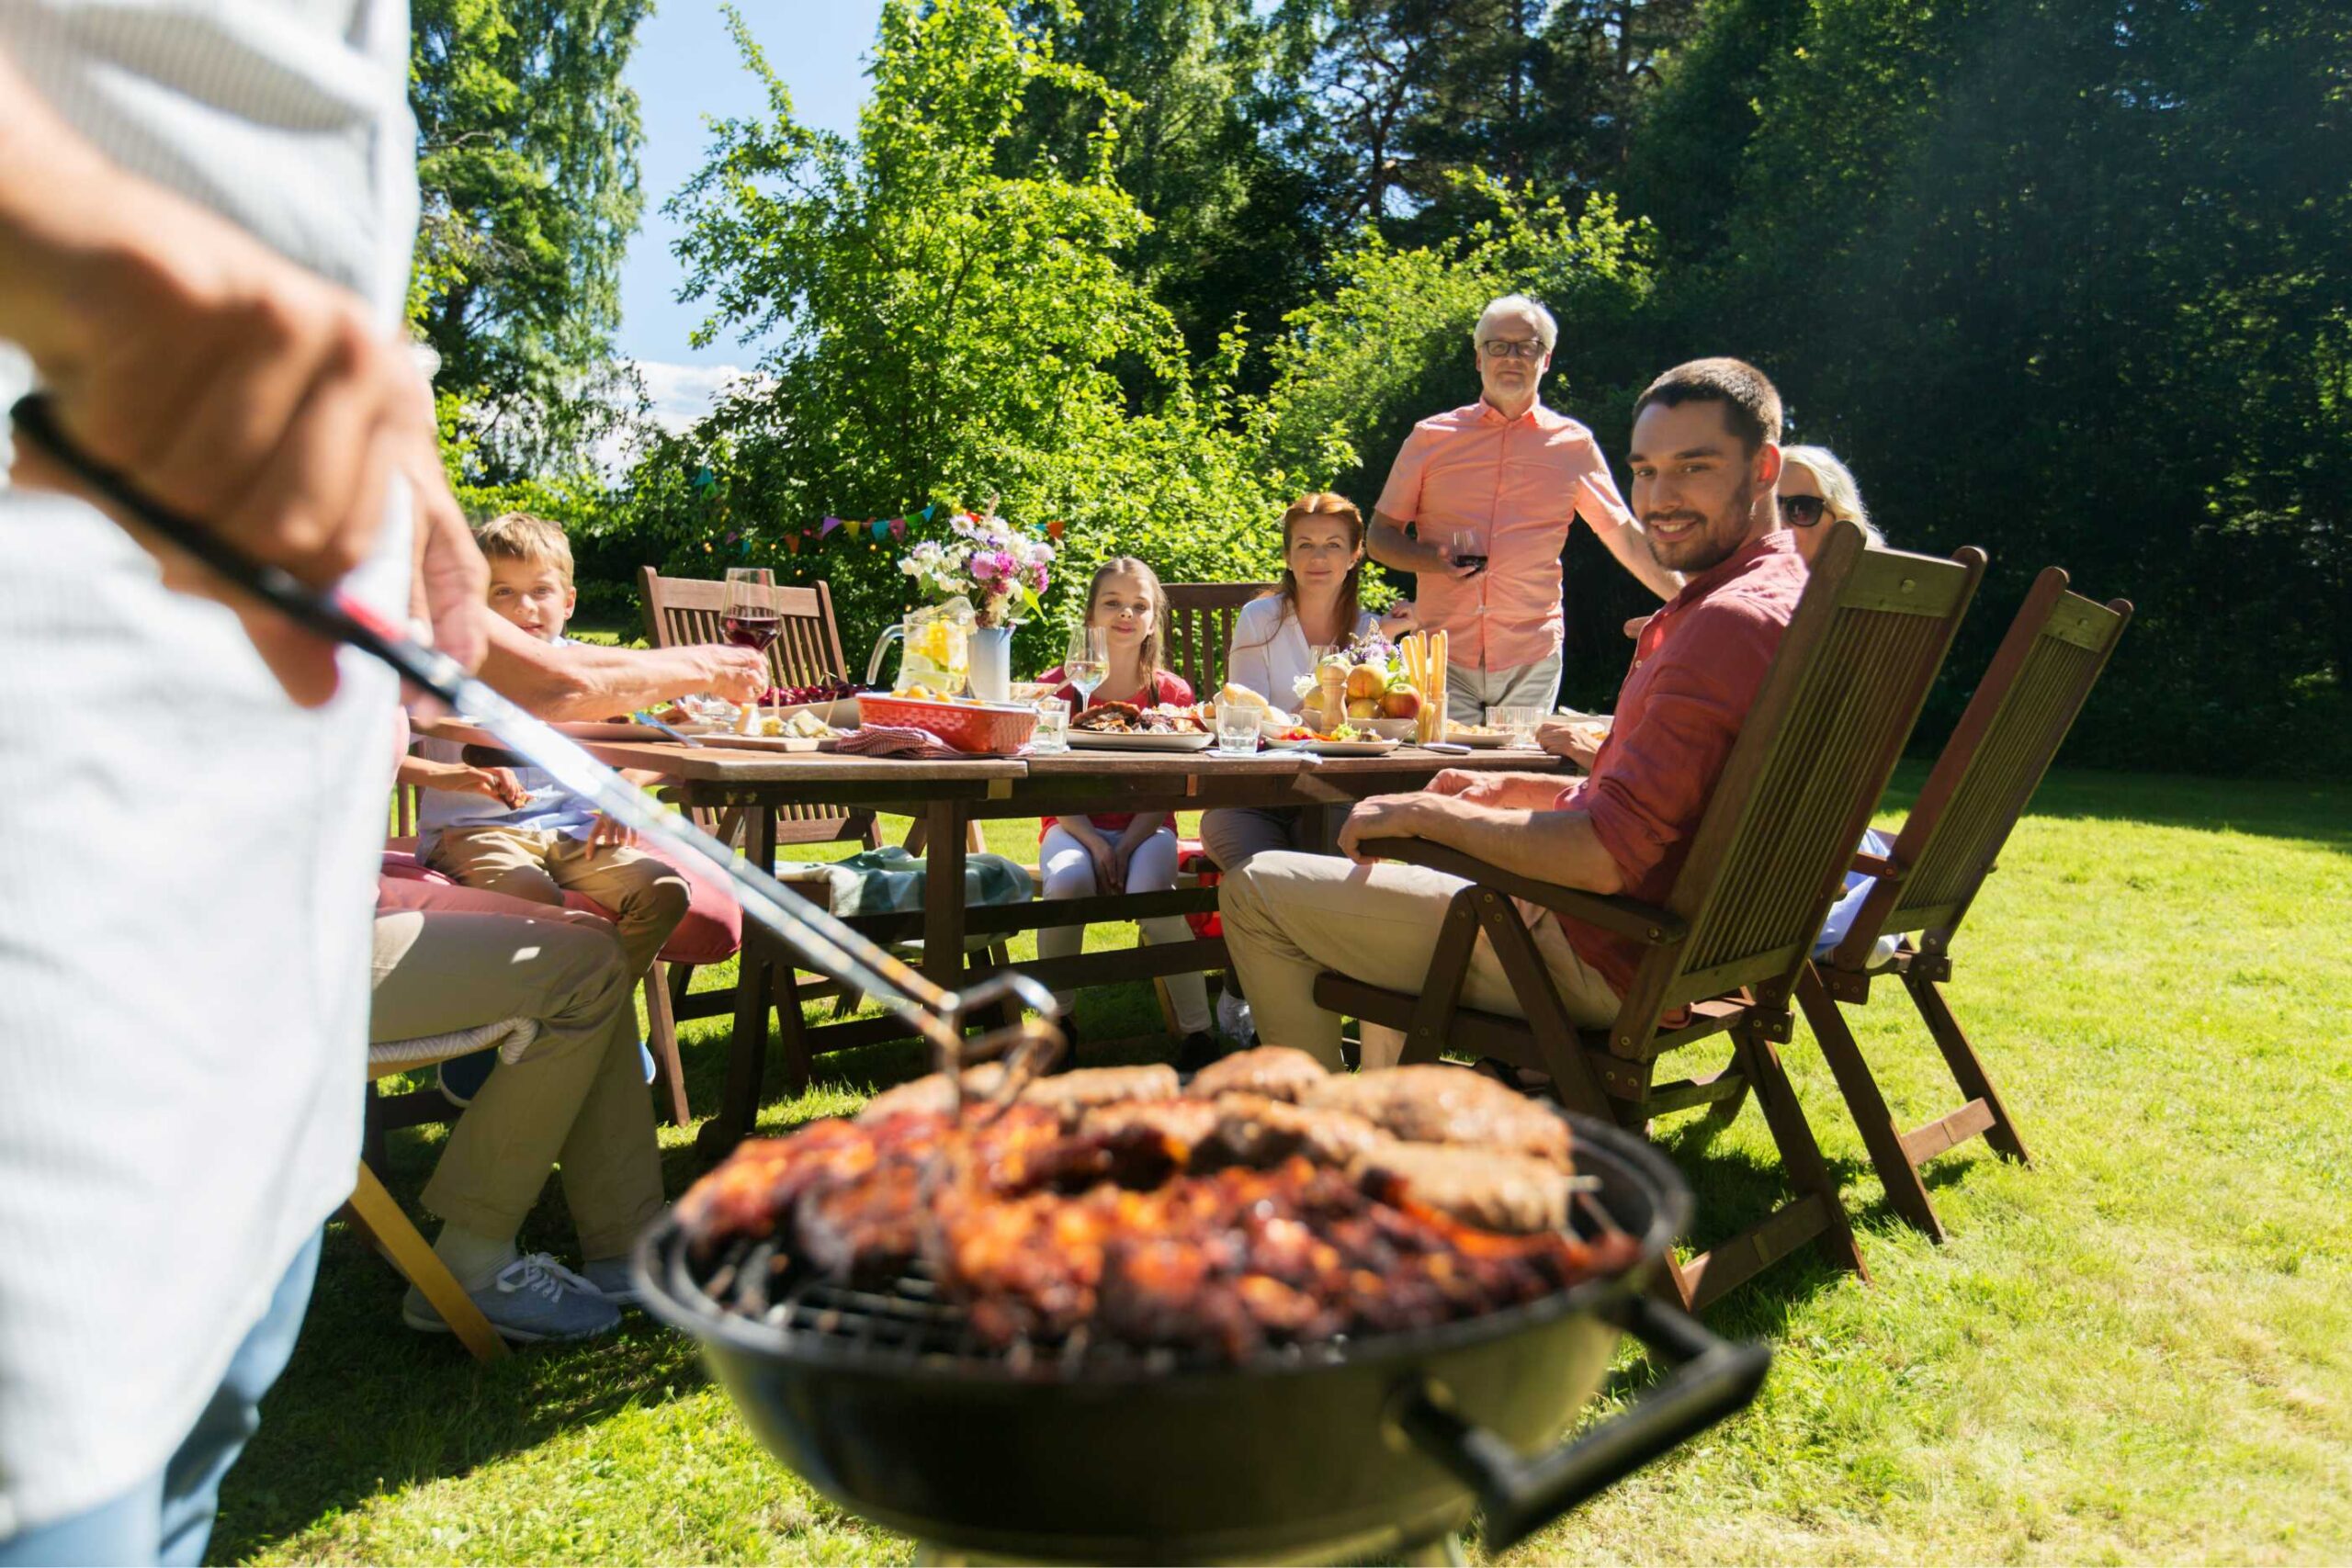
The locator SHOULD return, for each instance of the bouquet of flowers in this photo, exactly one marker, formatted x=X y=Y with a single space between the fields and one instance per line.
x=988 y=561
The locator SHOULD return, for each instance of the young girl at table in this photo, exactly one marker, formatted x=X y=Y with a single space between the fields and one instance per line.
x=1122 y=851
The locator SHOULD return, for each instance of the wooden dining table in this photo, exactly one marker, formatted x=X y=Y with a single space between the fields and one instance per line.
x=945 y=798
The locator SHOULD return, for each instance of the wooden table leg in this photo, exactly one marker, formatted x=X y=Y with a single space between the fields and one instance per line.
x=943 y=913
x=747 y=1053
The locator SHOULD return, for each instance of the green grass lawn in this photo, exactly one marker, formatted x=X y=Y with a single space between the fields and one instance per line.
x=2140 y=1348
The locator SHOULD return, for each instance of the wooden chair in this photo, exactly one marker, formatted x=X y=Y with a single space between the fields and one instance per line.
x=1723 y=955
x=382 y=1220
x=684 y=610
x=2037 y=683
x=1200 y=629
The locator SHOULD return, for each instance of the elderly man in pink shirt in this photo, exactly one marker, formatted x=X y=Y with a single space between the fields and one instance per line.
x=1490 y=492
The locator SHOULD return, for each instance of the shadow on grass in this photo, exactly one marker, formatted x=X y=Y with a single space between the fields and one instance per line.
x=2303 y=810
x=369 y=1406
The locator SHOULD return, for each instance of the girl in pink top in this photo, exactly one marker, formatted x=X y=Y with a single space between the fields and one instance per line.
x=1124 y=851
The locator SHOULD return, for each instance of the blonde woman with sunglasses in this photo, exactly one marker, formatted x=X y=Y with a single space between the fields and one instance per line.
x=1817 y=488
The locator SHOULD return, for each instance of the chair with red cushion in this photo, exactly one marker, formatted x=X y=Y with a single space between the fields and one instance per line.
x=711 y=931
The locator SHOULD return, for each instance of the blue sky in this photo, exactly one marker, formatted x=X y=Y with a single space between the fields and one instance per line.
x=685 y=68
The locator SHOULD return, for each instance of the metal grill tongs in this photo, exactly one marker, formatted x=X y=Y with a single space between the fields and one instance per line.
x=812 y=932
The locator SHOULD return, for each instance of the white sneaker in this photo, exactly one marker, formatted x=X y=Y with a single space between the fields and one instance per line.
x=532 y=1298
x=1233 y=1018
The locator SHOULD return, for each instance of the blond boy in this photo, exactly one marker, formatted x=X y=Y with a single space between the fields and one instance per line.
x=554 y=842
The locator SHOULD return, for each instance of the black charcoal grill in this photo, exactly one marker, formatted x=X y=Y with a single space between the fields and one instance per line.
x=885 y=1401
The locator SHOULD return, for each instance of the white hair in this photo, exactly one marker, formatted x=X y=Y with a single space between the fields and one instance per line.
x=1547 y=331
x=1837 y=485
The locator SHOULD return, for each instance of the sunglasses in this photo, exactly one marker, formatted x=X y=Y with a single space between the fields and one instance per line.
x=1802 y=511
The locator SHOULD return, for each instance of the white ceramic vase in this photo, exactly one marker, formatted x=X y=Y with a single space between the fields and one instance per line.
x=991 y=671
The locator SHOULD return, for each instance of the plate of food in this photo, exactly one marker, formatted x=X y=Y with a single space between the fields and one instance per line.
x=1482 y=737
x=1123 y=726
x=1138 y=740
x=1348 y=740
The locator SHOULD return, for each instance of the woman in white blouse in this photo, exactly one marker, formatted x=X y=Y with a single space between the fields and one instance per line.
x=1276 y=639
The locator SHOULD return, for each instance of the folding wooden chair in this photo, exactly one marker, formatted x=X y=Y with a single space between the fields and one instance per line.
x=1724 y=953
x=382 y=1220
x=2036 y=685
x=1200 y=630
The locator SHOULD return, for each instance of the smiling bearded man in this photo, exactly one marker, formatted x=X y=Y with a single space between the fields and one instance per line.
x=1705 y=455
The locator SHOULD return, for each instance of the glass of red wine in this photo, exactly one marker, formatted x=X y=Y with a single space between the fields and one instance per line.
x=751 y=617
x=1468 y=549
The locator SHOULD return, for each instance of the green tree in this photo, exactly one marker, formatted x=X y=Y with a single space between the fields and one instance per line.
x=944 y=321
x=1233 y=233
x=528 y=149
x=1403 y=96
x=2068 y=282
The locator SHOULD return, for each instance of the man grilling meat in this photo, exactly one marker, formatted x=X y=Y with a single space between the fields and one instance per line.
x=1705 y=457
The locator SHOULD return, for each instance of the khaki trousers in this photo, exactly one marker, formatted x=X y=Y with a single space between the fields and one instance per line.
x=1470 y=693
x=575 y=1098
x=1234 y=835
x=646 y=896
x=1288 y=917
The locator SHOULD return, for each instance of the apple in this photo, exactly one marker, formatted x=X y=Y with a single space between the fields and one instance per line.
x=1364 y=680
x=1400 y=701
x=1363 y=707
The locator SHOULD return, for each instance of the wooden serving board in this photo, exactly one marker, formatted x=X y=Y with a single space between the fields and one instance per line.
x=732 y=742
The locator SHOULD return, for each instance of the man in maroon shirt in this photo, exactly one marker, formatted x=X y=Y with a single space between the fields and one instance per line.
x=1705 y=457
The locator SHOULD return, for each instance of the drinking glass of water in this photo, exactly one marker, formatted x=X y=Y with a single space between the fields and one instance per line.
x=1053 y=726
x=1237 y=730
x=1089 y=661
x=1518 y=723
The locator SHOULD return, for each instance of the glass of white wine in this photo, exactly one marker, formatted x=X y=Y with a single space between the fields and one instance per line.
x=1089 y=662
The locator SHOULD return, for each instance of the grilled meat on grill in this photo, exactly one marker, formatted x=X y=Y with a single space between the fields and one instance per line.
x=1446 y=1105
x=1254 y=1131
x=930 y=1093
x=1214 y=1229
x=1229 y=1263
x=1075 y=1092
x=1069 y=1096
x=1278 y=1072
x=1184 y=1123
x=1510 y=1193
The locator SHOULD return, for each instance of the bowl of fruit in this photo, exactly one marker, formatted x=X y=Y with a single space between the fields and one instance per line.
x=1362 y=685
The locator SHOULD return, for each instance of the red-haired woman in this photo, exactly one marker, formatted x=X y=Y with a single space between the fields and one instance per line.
x=1277 y=640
